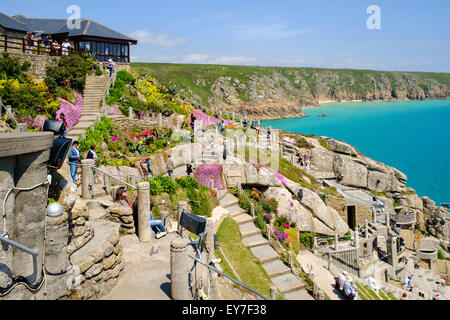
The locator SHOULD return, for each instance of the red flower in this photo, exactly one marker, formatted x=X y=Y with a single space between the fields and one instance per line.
x=132 y=136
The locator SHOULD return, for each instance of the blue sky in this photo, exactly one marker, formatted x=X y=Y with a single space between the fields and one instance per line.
x=414 y=34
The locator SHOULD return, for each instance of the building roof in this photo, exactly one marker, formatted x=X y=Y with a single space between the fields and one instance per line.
x=12 y=24
x=59 y=26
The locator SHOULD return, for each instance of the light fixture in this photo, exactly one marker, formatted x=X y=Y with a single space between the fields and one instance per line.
x=55 y=210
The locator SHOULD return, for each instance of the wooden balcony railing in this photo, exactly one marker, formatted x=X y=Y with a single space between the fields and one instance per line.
x=14 y=44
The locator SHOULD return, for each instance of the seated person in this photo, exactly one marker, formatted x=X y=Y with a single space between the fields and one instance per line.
x=156 y=225
x=122 y=197
x=349 y=291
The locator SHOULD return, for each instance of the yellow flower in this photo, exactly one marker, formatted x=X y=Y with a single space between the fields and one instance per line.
x=120 y=163
x=140 y=142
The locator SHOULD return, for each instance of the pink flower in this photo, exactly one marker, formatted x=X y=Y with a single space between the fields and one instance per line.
x=207 y=172
x=71 y=111
x=113 y=138
x=286 y=226
x=281 y=178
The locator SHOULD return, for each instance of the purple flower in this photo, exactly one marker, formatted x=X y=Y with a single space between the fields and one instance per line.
x=207 y=172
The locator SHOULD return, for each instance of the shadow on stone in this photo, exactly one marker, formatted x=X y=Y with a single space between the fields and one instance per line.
x=165 y=287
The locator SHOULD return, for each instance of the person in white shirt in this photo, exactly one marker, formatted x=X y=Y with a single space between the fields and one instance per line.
x=74 y=159
x=111 y=66
x=65 y=47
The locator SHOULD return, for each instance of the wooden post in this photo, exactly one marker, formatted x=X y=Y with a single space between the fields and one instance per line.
x=290 y=259
x=107 y=183
x=39 y=47
x=23 y=45
x=252 y=210
x=273 y=293
x=6 y=42
x=130 y=113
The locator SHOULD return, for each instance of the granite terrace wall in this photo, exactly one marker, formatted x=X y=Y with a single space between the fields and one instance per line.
x=23 y=164
x=39 y=63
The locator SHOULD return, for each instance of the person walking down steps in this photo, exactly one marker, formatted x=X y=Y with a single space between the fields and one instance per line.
x=170 y=165
x=74 y=159
x=111 y=66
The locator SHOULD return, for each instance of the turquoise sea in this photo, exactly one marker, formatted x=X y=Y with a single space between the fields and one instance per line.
x=412 y=136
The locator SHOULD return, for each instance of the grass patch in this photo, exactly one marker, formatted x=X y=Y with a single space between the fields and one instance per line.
x=244 y=262
x=324 y=144
x=391 y=295
x=225 y=266
x=383 y=295
x=372 y=293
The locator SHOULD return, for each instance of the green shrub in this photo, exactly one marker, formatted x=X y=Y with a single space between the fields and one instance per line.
x=188 y=183
x=306 y=238
x=293 y=234
x=161 y=185
x=100 y=132
x=98 y=73
x=201 y=202
x=260 y=224
x=74 y=67
x=12 y=68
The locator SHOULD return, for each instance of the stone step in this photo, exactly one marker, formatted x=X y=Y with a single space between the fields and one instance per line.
x=265 y=253
x=229 y=200
x=248 y=229
x=288 y=283
x=97 y=214
x=242 y=219
x=254 y=241
x=276 y=268
x=235 y=210
x=298 y=295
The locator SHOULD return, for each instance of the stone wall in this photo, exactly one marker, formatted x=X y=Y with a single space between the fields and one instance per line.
x=23 y=164
x=39 y=63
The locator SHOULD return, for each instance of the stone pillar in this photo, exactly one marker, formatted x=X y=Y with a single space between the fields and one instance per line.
x=357 y=238
x=107 y=184
x=182 y=205
x=394 y=253
x=273 y=293
x=160 y=119
x=30 y=213
x=21 y=127
x=366 y=226
x=209 y=241
x=336 y=242
x=179 y=270
x=388 y=219
x=290 y=259
x=144 y=212
x=87 y=178
x=269 y=231
x=252 y=210
x=130 y=113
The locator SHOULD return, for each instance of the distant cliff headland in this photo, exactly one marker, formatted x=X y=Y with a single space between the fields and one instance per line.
x=275 y=92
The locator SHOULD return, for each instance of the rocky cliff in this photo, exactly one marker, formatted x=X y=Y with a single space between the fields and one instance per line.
x=271 y=92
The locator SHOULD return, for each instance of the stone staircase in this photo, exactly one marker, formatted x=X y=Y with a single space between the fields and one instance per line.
x=287 y=283
x=93 y=95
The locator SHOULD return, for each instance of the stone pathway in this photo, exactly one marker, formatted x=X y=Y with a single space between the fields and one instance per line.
x=323 y=277
x=287 y=283
x=146 y=276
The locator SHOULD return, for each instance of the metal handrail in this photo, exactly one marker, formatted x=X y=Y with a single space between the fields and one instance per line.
x=10 y=114
x=111 y=82
x=228 y=277
x=105 y=173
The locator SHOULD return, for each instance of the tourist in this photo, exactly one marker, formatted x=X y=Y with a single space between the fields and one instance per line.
x=189 y=169
x=342 y=280
x=404 y=296
x=46 y=41
x=300 y=160
x=62 y=118
x=56 y=48
x=307 y=161
x=349 y=291
x=122 y=197
x=65 y=47
x=157 y=225
x=193 y=119
x=146 y=167
x=170 y=165
x=93 y=156
x=29 y=41
x=111 y=66
x=245 y=124
x=222 y=127
x=74 y=159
